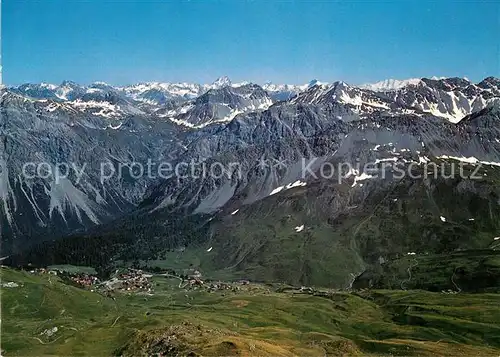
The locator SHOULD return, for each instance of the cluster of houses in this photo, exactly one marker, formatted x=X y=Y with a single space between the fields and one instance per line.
x=40 y=271
x=137 y=280
x=84 y=280
x=192 y=280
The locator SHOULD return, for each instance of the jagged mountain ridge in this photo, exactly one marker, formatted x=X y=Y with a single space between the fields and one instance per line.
x=308 y=132
x=100 y=123
x=450 y=98
x=35 y=204
x=219 y=105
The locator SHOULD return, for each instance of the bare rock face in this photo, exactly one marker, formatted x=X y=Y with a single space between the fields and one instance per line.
x=74 y=135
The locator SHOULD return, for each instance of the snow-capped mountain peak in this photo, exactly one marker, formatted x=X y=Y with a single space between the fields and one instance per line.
x=450 y=98
x=221 y=82
x=312 y=83
x=161 y=93
x=288 y=91
x=390 y=84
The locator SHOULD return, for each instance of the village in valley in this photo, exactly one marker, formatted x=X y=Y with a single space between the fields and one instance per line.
x=139 y=281
x=142 y=282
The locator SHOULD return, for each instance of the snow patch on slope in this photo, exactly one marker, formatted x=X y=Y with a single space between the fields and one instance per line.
x=299 y=228
x=470 y=160
x=297 y=183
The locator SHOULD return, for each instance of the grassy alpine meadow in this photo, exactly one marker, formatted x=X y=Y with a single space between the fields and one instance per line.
x=43 y=315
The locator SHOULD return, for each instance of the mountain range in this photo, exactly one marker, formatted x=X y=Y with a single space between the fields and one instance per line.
x=267 y=219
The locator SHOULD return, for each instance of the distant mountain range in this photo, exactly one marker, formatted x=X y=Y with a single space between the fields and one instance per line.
x=451 y=98
x=399 y=122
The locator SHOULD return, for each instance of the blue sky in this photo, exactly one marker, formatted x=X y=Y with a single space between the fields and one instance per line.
x=126 y=41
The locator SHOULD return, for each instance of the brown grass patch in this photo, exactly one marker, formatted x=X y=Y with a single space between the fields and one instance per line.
x=240 y=303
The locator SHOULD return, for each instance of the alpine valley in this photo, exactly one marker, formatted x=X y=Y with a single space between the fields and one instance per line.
x=320 y=254
x=280 y=136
